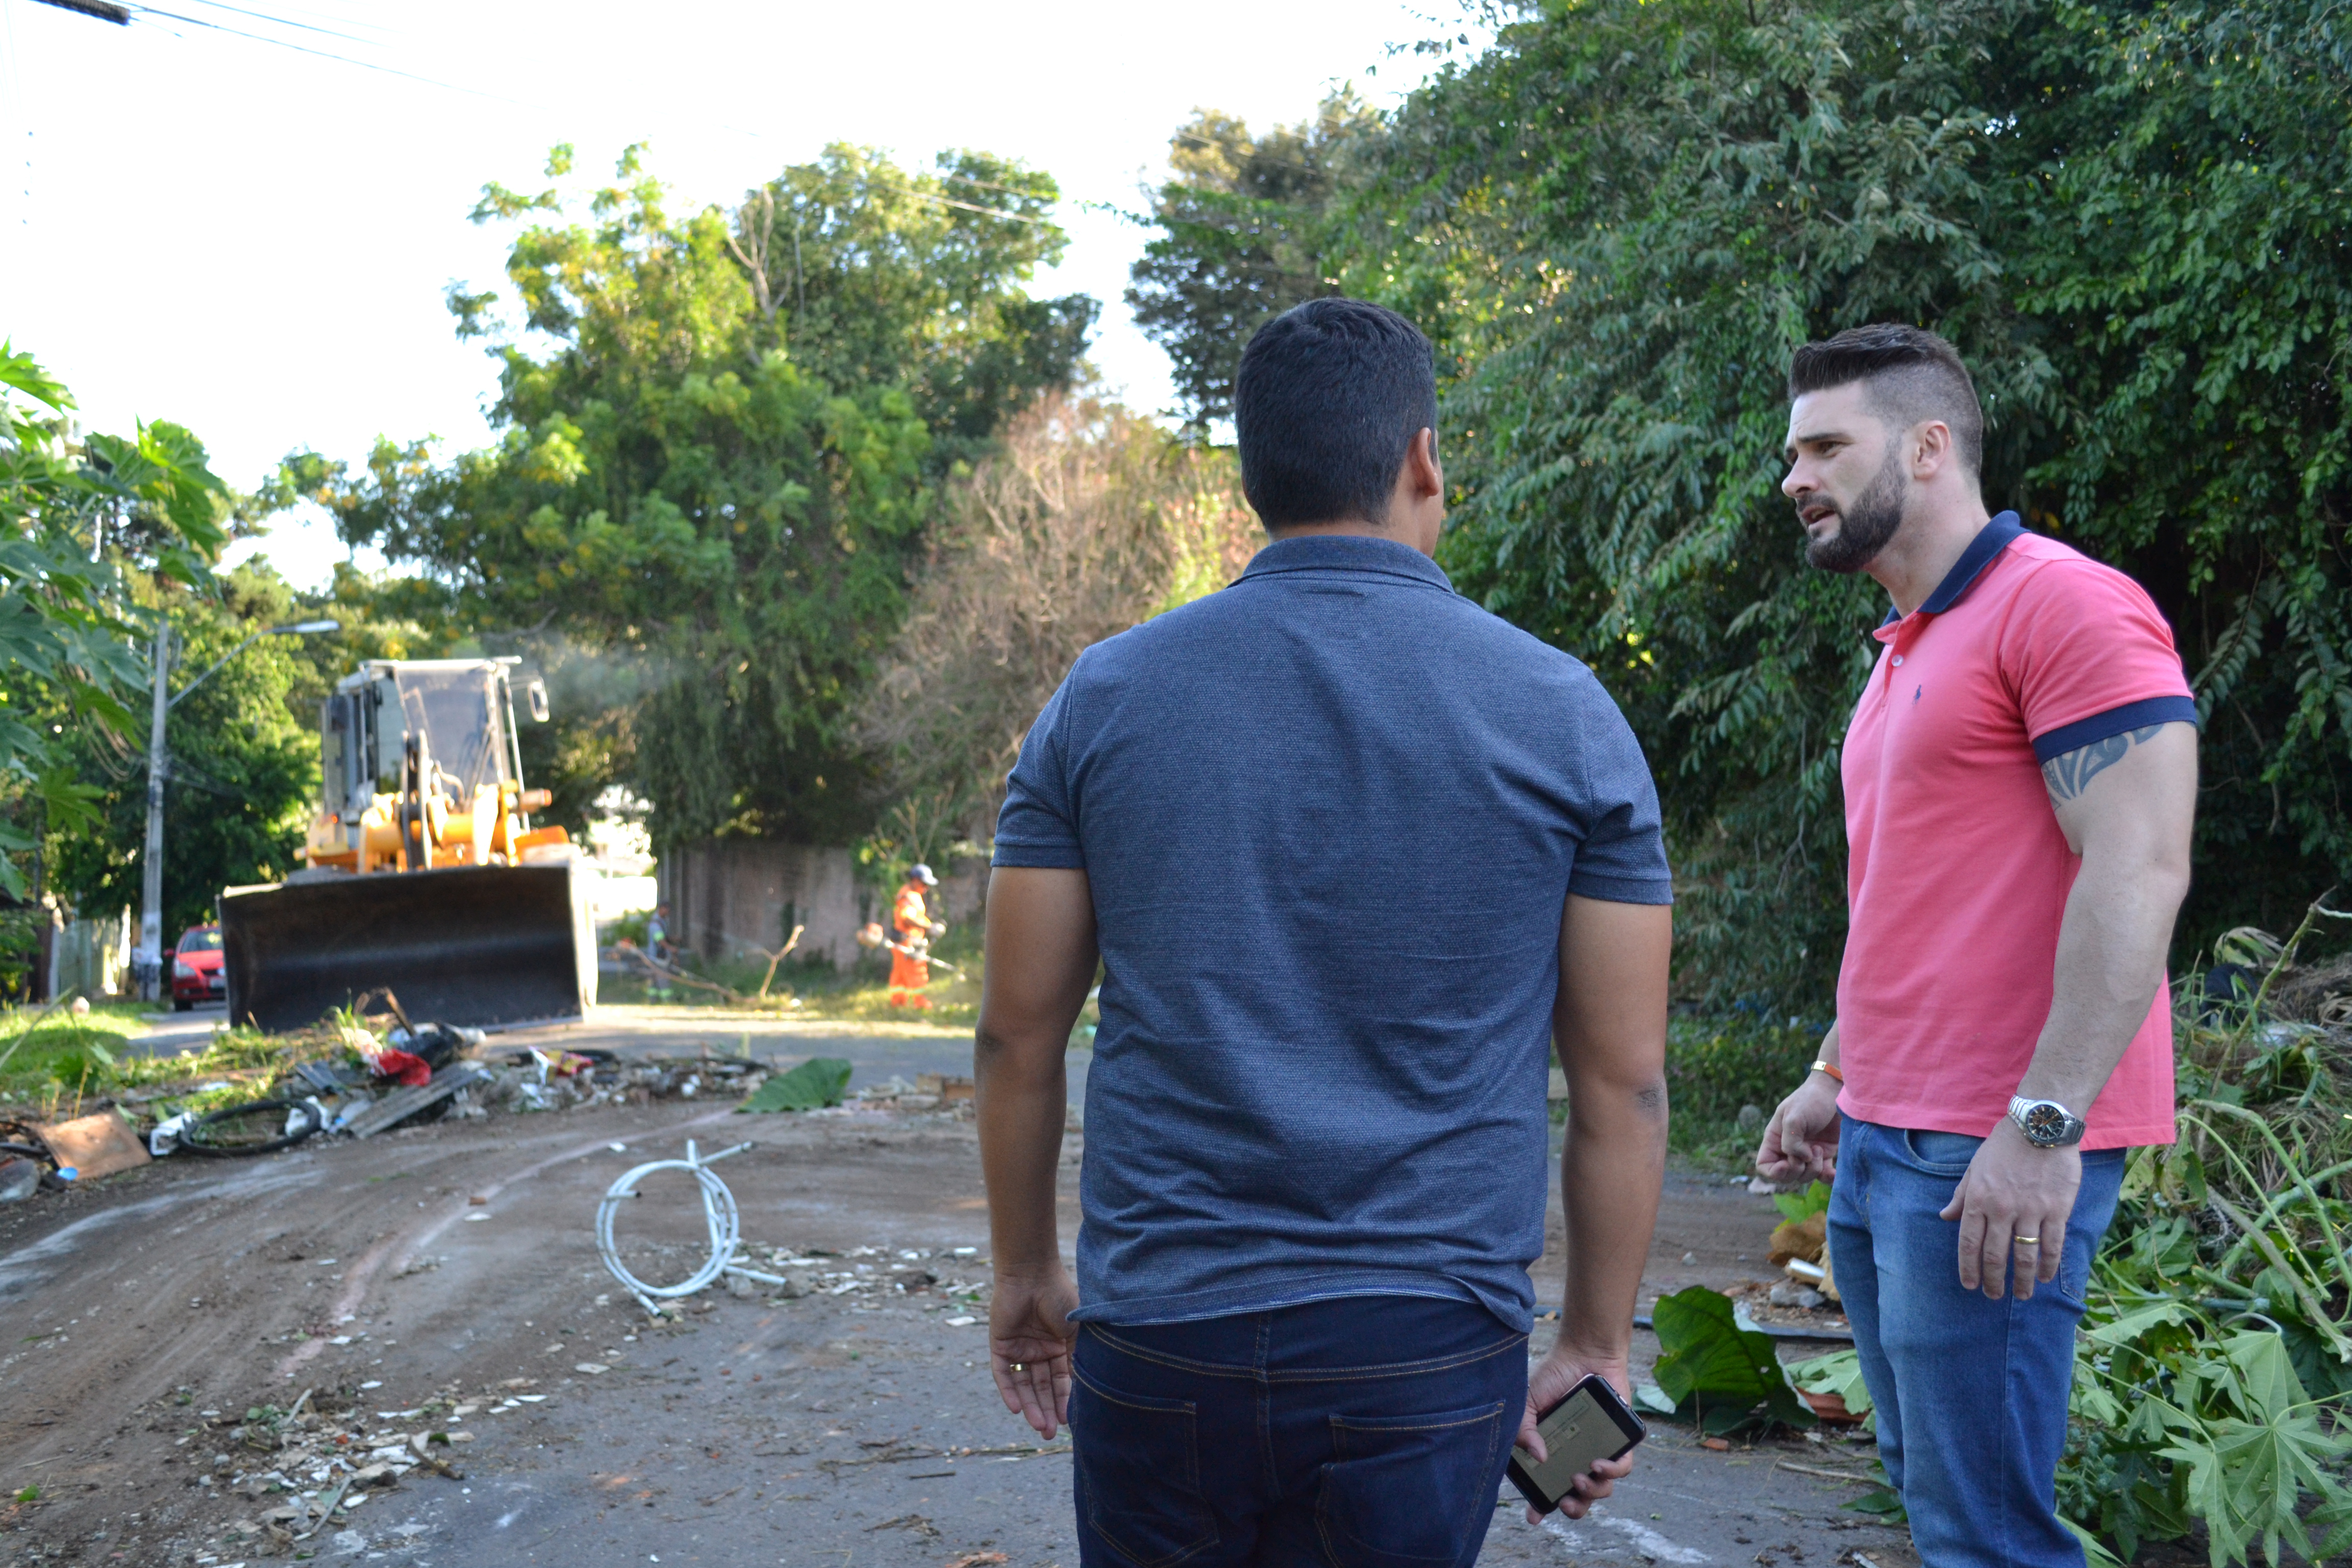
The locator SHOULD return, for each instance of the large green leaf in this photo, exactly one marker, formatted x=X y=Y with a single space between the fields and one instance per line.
x=1718 y=1374
x=818 y=1081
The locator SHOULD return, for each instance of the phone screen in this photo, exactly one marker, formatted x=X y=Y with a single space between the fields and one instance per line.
x=1578 y=1433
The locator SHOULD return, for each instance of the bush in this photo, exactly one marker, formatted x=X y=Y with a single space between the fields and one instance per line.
x=1716 y=1065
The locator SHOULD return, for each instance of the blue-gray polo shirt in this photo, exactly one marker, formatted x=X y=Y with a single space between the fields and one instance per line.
x=1330 y=817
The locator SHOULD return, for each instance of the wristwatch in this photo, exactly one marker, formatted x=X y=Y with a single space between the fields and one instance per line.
x=2046 y=1124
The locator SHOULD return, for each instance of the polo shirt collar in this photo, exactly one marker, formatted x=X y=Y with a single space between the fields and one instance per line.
x=1991 y=539
x=1346 y=552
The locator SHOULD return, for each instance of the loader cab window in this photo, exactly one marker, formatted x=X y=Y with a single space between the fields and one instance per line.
x=458 y=712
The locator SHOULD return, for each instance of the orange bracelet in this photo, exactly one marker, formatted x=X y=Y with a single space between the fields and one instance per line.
x=1829 y=1067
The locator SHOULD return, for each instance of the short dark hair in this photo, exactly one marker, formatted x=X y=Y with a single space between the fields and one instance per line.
x=1910 y=375
x=1330 y=397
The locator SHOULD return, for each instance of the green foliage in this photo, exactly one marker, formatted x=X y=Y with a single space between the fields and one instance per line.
x=816 y=1082
x=2212 y=1377
x=2128 y=213
x=1798 y=1208
x=1725 y=1377
x=45 y=1053
x=244 y=771
x=20 y=948
x=714 y=479
x=1716 y=1065
x=1240 y=238
x=1838 y=1372
x=2182 y=1419
x=79 y=513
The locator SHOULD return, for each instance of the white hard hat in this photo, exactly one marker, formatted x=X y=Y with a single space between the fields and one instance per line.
x=919 y=872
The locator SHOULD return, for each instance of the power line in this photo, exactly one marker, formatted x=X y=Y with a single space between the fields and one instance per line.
x=306 y=49
x=102 y=9
x=984 y=212
x=265 y=16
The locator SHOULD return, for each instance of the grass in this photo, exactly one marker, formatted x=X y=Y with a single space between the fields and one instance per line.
x=68 y=1065
x=53 y=1062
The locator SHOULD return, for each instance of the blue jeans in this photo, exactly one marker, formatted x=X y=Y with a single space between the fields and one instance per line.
x=1971 y=1393
x=1367 y=1432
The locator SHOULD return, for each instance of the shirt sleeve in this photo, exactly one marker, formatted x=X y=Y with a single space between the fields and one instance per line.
x=1622 y=858
x=1038 y=823
x=2089 y=656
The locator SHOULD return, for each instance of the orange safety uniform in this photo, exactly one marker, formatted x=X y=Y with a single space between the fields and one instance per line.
x=911 y=922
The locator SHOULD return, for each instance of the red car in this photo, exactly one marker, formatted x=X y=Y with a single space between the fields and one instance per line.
x=196 y=974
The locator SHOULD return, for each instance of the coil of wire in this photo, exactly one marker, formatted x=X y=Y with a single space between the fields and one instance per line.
x=718 y=1213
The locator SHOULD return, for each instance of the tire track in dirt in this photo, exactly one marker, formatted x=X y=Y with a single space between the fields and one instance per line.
x=362 y=1274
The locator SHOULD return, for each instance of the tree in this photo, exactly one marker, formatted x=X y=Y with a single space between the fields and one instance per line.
x=2179 y=245
x=1239 y=238
x=719 y=474
x=81 y=518
x=1089 y=520
x=1619 y=221
x=244 y=762
x=1666 y=199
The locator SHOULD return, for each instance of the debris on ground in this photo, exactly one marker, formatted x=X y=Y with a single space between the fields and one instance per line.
x=1800 y=1246
x=360 y=1074
x=308 y=1468
x=20 y=1178
x=94 y=1146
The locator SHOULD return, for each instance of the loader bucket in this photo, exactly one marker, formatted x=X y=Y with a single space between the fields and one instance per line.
x=478 y=945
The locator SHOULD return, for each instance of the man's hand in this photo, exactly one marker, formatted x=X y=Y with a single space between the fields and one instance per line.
x=1560 y=1372
x=1029 y=1339
x=2014 y=1201
x=1041 y=960
x=1801 y=1138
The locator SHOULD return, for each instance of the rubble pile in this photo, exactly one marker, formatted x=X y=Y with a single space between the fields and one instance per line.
x=308 y=1468
x=954 y=1277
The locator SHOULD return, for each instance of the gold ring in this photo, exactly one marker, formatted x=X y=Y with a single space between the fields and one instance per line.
x=1020 y=1366
x=2025 y=1241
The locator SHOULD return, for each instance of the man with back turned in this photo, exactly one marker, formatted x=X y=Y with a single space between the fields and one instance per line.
x=1352 y=854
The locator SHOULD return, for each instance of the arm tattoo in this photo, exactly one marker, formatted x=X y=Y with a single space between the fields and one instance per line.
x=2070 y=775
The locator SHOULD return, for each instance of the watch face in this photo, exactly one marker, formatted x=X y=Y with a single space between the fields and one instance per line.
x=2045 y=1122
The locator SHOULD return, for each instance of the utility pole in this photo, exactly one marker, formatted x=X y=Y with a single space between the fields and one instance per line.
x=147 y=959
x=147 y=962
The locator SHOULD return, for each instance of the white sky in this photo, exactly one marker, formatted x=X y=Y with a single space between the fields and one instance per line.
x=256 y=242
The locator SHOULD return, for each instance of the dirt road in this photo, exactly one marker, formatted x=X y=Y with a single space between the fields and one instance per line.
x=456 y=1261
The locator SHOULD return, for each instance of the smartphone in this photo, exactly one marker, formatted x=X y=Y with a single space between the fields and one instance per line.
x=1589 y=1426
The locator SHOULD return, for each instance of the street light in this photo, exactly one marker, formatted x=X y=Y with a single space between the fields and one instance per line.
x=147 y=962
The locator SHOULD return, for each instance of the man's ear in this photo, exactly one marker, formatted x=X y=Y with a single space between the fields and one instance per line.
x=1931 y=448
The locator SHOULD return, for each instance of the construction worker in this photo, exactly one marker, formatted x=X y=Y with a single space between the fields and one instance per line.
x=913 y=929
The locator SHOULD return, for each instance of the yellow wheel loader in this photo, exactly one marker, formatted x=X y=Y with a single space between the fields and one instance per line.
x=425 y=873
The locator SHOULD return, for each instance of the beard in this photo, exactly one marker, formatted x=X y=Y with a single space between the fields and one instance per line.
x=1865 y=527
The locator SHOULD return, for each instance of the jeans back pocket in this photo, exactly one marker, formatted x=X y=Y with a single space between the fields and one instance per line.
x=1406 y=1492
x=1138 y=1463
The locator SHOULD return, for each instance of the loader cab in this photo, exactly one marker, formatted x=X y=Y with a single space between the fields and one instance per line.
x=460 y=711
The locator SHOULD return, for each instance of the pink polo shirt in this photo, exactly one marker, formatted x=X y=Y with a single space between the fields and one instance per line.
x=1959 y=872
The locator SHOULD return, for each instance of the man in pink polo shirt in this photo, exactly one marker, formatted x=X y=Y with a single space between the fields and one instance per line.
x=2021 y=779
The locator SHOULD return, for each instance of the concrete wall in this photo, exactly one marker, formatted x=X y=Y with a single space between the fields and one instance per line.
x=729 y=895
